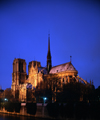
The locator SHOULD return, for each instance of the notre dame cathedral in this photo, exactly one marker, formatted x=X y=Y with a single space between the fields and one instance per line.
x=36 y=74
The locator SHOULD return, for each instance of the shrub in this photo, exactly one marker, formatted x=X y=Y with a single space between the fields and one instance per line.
x=17 y=107
x=9 y=106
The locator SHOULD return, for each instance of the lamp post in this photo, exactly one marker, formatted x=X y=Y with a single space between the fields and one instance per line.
x=44 y=99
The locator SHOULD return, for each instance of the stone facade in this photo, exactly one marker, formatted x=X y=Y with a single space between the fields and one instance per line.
x=19 y=74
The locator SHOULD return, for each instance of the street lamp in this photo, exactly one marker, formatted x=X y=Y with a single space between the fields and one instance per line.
x=5 y=99
x=44 y=99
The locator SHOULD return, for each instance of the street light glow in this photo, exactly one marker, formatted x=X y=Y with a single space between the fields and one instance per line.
x=45 y=98
x=5 y=99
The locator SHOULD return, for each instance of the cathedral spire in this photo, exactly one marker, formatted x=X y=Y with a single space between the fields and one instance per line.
x=48 y=42
x=49 y=55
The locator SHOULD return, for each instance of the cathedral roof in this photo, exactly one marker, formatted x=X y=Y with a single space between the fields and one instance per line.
x=63 y=67
x=42 y=70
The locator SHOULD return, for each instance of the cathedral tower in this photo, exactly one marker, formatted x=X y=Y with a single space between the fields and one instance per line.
x=19 y=73
x=49 y=64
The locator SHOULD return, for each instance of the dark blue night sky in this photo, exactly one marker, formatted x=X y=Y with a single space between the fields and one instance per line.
x=74 y=31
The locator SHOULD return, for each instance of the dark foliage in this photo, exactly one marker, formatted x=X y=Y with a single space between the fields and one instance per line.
x=8 y=94
x=31 y=108
x=1 y=105
x=53 y=109
x=40 y=93
x=69 y=110
x=62 y=110
x=9 y=106
x=75 y=92
x=17 y=107
x=81 y=110
x=94 y=110
x=66 y=110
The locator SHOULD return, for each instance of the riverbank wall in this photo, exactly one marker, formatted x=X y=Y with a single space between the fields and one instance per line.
x=61 y=111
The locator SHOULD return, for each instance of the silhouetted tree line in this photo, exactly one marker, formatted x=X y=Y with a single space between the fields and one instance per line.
x=69 y=92
x=43 y=90
x=76 y=100
x=41 y=93
x=76 y=92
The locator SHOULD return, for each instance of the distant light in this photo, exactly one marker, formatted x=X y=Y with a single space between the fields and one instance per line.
x=5 y=99
x=45 y=98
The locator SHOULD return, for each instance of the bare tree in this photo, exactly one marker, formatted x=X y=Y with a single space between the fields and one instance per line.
x=8 y=94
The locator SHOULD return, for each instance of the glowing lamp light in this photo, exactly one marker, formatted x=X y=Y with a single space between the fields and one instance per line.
x=44 y=98
x=5 y=99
